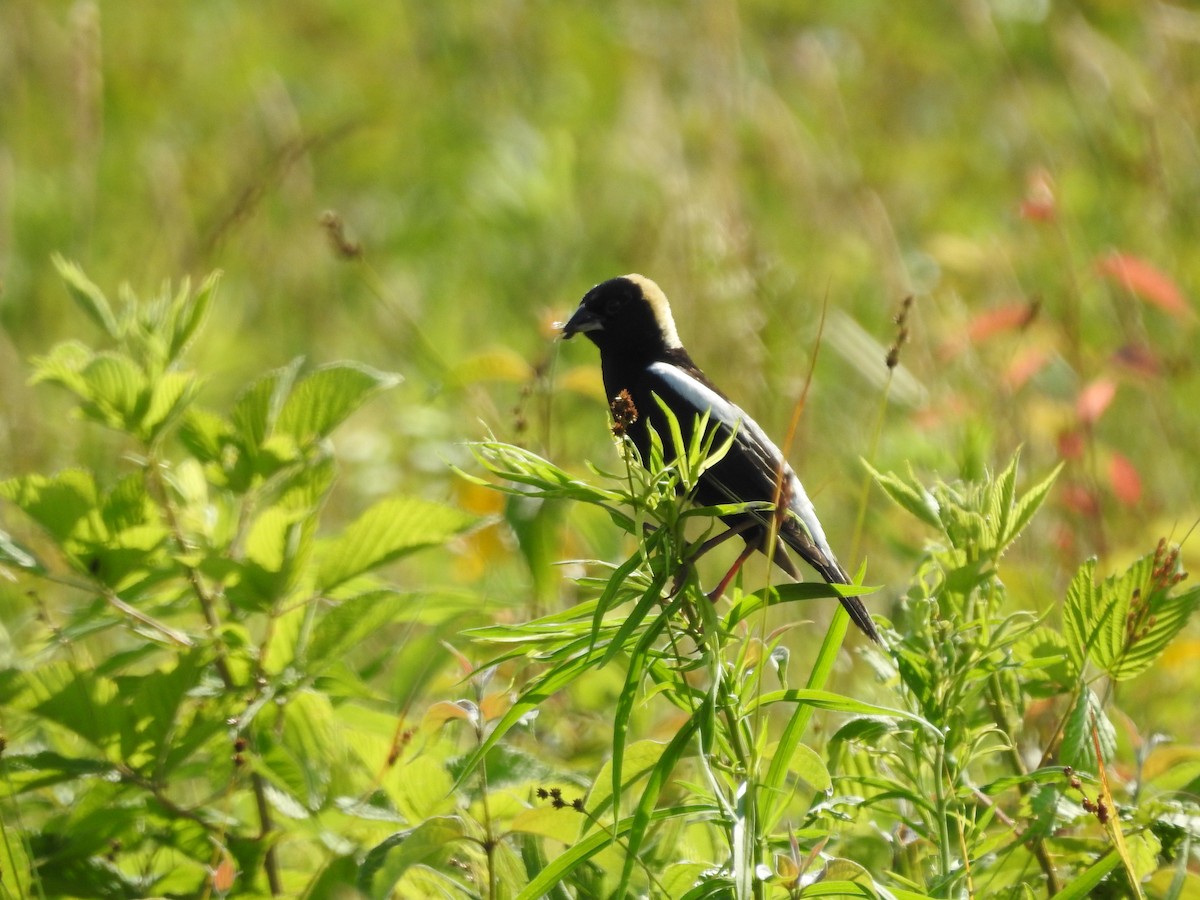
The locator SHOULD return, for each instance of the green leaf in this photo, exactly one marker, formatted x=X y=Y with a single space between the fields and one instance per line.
x=171 y=394
x=1082 y=886
x=827 y=700
x=1078 y=745
x=13 y=554
x=387 y=531
x=657 y=782
x=1123 y=624
x=258 y=405
x=65 y=505
x=89 y=297
x=64 y=366
x=206 y=434
x=82 y=703
x=189 y=312
x=1086 y=617
x=1156 y=624
x=565 y=863
x=116 y=391
x=909 y=494
x=324 y=399
x=1029 y=504
x=350 y=622
x=386 y=863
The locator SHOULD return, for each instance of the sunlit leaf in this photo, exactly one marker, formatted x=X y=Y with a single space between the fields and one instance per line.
x=89 y=297
x=909 y=494
x=1078 y=742
x=390 y=529
x=324 y=399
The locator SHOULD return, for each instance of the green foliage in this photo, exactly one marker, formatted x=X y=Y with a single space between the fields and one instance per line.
x=1026 y=172
x=208 y=674
x=209 y=708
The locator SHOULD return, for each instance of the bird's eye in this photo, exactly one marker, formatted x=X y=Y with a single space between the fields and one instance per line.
x=612 y=305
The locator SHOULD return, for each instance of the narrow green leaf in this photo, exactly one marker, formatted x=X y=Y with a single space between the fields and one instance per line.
x=579 y=853
x=827 y=700
x=1029 y=504
x=386 y=863
x=325 y=398
x=1082 y=886
x=13 y=554
x=643 y=814
x=387 y=531
x=1002 y=494
x=190 y=310
x=85 y=293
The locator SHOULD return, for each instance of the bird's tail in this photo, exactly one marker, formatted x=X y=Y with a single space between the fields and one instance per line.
x=833 y=573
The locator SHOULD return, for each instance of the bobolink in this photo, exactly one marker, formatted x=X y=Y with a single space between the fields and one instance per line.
x=641 y=355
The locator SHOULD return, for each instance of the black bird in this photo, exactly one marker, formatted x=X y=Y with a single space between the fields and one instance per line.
x=641 y=355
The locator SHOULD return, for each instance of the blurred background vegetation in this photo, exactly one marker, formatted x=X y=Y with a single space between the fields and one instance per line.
x=1029 y=171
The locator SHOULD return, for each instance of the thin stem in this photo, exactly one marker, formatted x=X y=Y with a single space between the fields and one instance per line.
x=208 y=607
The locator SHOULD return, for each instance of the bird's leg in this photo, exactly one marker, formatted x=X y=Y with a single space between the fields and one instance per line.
x=732 y=531
x=712 y=542
x=715 y=595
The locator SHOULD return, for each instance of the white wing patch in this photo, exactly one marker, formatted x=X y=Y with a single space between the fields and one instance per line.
x=751 y=438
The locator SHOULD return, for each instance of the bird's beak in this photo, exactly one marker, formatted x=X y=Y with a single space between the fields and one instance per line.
x=582 y=322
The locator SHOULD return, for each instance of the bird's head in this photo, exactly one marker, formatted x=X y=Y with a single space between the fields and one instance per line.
x=627 y=315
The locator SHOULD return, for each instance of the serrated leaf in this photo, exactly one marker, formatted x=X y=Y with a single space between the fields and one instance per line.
x=205 y=434
x=324 y=399
x=169 y=397
x=60 y=504
x=85 y=293
x=909 y=495
x=387 y=531
x=190 y=312
x=1029 y=504
x=79 y=701
x=1083 y=617
x=351 y=622
x=115 y=389
x=64 y=366
x=1165 y=618
x=1078 y=747
x=257 y=407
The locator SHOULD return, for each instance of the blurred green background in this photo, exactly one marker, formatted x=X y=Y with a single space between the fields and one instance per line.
x=1028 y=171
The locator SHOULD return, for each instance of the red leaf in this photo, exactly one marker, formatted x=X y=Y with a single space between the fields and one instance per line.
x=224 y=874
x=1025 y=366
x=1145 y=282
x=1125 y=480
x=1000 y=319
x=1070 y=445
x=1094 y=399
x=1079 y=499
x=1038 y=204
